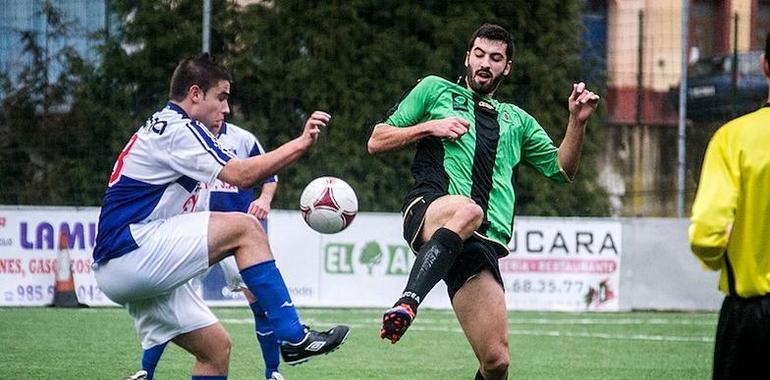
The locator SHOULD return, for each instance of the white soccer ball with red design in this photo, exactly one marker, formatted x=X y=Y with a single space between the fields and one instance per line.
x=328 y=205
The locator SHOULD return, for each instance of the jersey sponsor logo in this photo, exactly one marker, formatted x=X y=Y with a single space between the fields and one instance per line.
x=485 y=105
x=220 y=187
x=459 y=102
x=155 y=124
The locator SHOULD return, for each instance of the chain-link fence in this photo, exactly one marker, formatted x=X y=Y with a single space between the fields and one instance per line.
x=643 y=70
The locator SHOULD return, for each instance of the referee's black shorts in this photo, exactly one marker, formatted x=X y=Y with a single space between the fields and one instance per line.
x=476 y=255
x=742 y=349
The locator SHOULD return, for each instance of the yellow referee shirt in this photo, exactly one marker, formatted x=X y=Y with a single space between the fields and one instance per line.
x=731 y=215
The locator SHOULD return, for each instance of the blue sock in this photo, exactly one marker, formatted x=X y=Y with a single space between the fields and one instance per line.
x=265 y=282
x=150 y=358
x=208 y=377
x=267 y=341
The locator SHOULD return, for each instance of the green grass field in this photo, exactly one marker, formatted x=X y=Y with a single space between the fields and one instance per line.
x=40 y=343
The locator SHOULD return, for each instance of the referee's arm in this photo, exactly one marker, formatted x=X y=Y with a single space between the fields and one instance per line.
x=713 y=211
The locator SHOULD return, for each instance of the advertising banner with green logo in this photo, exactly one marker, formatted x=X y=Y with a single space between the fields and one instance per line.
x=363 y=266
x=554 y=264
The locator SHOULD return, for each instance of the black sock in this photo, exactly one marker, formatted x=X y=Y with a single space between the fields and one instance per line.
x=479 y=376
x=432 y=263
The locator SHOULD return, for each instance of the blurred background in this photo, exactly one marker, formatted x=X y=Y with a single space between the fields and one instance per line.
x=77 y=77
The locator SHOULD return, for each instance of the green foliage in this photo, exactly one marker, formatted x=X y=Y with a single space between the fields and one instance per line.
x=353 y=59
x=39 y=159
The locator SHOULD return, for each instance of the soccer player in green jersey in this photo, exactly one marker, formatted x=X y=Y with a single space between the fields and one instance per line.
x=459 y=214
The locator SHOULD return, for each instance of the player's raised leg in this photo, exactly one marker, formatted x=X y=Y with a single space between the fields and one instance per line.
x=448 y=221
x=243 y=236
x=480 y=309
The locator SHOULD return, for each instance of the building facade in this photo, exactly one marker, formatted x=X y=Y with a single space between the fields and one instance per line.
x=643 y=65
x=82 y=19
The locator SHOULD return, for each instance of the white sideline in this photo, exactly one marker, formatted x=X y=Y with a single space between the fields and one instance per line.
x=431 y=326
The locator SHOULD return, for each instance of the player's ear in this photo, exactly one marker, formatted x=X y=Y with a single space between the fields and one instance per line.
x=195 y=93
x=508 y=67
x=467 y=58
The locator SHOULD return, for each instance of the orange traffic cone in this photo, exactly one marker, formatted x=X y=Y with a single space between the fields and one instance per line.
x=64 y=294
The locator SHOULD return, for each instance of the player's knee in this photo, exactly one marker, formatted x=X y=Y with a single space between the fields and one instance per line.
x=470 y=214
x=249 y=227
x=252 y=246
x=217 y=353
x=252 y=225
x=496 y=361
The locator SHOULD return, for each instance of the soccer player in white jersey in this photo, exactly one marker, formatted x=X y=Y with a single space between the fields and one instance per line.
x=150 y=244
x=225 y=197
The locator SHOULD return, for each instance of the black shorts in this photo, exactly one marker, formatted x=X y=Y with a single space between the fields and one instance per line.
x=743 y=339
x=477 y=254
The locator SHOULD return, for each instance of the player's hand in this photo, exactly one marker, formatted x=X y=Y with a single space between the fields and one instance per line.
x=451 y=128
x=582 y=102
x=259 y=208
x=314 y=123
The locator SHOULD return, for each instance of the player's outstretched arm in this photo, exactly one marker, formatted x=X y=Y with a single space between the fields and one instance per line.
x=246 y=173
x=387 y=137
x=582 y=104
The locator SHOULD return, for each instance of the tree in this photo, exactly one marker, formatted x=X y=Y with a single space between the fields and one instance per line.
x=288 y=58
x=355 y=59
x=38 y=155
x=131 y=82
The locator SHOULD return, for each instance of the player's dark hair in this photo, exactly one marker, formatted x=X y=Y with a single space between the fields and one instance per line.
x=493 y=32
x=202 y=70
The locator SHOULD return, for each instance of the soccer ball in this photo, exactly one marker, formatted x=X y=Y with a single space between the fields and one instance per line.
x=328 y=204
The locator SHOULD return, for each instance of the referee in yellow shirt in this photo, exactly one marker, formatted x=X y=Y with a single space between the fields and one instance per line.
x=730 y=232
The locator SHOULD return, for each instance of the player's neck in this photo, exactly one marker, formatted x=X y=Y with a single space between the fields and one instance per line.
x=186 y=106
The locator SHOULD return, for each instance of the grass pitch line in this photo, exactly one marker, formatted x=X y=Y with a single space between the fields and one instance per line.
x=572 y=321
x=603 y=321
x=372 y=325
x=636 y=337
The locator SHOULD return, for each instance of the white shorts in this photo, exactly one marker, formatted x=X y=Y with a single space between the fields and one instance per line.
x=152 y=281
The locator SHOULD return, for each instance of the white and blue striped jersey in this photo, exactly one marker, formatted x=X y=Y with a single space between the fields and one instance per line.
x=156 y=177
x=223 y=196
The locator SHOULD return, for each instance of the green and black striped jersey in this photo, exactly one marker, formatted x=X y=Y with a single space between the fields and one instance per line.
x=479 y=165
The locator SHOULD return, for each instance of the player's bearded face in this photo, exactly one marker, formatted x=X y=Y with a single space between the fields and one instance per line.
x=486 y=65
x=482 y=81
